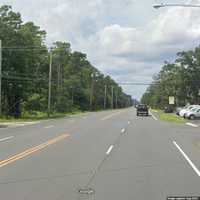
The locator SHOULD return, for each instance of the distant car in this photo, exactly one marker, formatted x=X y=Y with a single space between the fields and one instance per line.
x=193 y=114
x=142 y=109
x=185 y=110
x=168 y=109
x=178 y=109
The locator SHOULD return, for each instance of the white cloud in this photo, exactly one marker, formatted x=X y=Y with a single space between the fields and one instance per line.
x=127 y=39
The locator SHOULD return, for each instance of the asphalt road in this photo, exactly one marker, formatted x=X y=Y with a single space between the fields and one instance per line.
x=110 y=155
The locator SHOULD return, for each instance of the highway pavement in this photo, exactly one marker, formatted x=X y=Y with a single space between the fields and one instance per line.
x=108 y=155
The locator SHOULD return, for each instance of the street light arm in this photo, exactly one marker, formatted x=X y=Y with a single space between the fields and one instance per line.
x=157 y=6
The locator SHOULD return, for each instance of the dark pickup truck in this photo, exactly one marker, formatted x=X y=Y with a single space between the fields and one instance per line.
x=142 y=109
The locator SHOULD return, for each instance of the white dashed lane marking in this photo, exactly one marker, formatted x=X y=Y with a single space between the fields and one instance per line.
x=191 y=124
x=110 y=149
x=6 y=138
x=123 y=130
x=50 y=126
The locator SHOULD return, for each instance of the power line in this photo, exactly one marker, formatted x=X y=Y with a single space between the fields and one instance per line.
x=137 y=83
x=32 y=48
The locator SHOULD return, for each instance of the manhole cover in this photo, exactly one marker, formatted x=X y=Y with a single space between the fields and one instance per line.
x=86 y=191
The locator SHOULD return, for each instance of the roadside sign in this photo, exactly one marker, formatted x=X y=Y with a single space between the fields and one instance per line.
x=171 y=100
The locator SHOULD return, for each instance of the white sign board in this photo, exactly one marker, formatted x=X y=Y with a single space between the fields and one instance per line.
x=171 y=100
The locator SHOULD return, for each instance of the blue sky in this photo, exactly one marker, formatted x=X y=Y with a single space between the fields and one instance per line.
x=126 y=39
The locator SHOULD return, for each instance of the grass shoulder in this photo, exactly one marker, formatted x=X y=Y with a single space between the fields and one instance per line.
x=34 y=116
x=170 y=117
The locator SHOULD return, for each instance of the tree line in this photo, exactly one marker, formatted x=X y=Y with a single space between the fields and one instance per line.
x=76 y=84
x=180 y=79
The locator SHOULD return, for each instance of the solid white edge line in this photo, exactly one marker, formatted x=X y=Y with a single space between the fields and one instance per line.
x=153 y=116
x=110 y=149
x=191 y=124
x=6 y=138
x=187 y=158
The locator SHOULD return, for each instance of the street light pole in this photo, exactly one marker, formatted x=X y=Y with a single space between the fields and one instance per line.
x=50 y=77
x=0 y=75
x=162 y=5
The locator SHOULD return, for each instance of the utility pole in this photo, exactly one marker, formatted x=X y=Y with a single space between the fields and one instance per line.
x=112 y=91
x=72 y=95
x=91 y=90
x=116 y=99
x=105 y=96
x=50 y=76
x=58 y=78
x=0 y=75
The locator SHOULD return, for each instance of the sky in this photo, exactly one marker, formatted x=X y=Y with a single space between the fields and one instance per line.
x=126 y=39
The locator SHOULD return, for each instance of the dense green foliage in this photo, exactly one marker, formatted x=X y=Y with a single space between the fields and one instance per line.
x=76 y=84
x=180 y=79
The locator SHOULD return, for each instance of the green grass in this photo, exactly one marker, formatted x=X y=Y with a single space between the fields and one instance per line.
x=26 y=116
x=36 y=115
x=197 y=144
x=170 y=117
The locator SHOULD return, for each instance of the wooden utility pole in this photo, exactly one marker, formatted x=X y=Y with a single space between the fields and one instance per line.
x=50 y=77
x=105 y=96
x=0 y=75
x=112 y=94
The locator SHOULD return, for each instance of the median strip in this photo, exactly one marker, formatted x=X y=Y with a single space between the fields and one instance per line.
x=32 y=150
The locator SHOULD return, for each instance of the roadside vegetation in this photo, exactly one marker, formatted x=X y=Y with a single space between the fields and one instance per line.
x=170 y=117
x=180 y=79
x=37 y=116
x=76 y=84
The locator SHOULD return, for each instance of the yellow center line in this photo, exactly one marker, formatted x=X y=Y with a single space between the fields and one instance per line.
x=32 y=150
